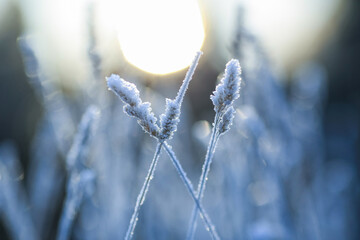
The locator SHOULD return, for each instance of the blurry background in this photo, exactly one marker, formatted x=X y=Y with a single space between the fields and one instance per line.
x=78 y=43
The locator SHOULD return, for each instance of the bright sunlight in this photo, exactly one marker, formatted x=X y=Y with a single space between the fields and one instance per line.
x=160 y=36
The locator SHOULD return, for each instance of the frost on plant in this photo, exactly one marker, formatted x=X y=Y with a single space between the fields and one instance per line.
x=226 y=120
x=169 y=120
x=134 y=107
x=127 y=92
x=228 y=89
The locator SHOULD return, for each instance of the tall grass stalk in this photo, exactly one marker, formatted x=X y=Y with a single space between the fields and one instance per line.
x=227 y=91
x=141 y=197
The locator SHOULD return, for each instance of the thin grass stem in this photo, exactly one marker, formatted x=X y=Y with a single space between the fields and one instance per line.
x=188 y=77
x=203 y=178
x=209 y=226
x=141 y=197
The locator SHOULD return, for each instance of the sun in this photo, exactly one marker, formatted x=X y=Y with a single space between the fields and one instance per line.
x=160 y=36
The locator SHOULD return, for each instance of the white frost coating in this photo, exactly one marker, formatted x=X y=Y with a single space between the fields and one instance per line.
x=228 y=89
x=126 y=91
x=227 y=120
x=170 y=119
x=129 y=94
x=146 y=118
x=188 y=77
x=142 y=195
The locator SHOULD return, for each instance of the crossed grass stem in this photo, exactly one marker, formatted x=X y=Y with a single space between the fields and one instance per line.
x=134 y=107
x=223 y=97
x=203 y=178
x=141 y=198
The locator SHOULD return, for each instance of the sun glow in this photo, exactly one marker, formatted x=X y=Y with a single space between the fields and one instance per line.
x=160 y=36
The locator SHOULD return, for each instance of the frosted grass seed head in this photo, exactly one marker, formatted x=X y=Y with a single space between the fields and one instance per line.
x=126 y=91
x=227 y=91
x=170 y=119
x=227 y=120
x=145 y=116
x=129 y=94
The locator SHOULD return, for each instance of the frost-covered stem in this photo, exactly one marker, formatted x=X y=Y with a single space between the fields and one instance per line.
x=209 y=226
x=226 y=92
x=203 y=177
x=180 y=96
x=142 y=194
x=170 y=119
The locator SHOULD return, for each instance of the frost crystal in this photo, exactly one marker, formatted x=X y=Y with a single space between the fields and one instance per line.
x=145 y=116
x=127 y=92
x=134 y=107
x=228 y=89
x=170 y=119
x=227 y=120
